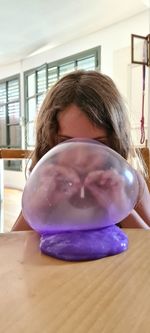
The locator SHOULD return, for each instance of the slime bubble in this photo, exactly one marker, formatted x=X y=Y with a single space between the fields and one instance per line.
x=74 y=197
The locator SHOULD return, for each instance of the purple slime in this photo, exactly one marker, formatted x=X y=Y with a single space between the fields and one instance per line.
x=85 y=244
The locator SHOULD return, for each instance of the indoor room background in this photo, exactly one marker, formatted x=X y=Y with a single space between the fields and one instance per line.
x=40 y=41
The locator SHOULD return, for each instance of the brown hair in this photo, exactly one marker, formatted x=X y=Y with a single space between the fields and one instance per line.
x=97 y=96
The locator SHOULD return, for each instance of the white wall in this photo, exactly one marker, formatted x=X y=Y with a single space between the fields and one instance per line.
x=14 y=179
x=113 y=41
x=115 y=37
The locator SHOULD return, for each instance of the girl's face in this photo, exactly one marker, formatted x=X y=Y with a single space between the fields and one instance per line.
x=73 y=123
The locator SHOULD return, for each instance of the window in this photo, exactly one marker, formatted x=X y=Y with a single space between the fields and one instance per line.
x=35 y=87
x=38 y=80
x=10 y=129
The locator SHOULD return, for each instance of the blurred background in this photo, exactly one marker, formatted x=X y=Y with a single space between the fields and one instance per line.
x=42 y=40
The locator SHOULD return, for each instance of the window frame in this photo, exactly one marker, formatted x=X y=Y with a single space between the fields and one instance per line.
x=96 y=52
x=14 y=165
x=7 y=80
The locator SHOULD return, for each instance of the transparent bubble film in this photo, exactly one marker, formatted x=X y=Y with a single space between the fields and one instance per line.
x=79 y=185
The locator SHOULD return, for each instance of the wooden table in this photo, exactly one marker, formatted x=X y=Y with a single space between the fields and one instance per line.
x=41 y=294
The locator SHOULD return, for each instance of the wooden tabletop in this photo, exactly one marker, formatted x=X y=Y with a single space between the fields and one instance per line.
x=40 y=294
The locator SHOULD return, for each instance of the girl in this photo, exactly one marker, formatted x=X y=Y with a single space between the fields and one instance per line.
x=87 y=104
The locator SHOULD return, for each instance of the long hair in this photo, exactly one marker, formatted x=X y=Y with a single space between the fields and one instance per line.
x=98 y=98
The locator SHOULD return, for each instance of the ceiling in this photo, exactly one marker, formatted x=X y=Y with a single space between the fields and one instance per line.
x=27 y=25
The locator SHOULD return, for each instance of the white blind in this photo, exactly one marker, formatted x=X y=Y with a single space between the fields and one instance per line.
x=2 y=114
x=10 y=113
x=52 y=76
x=3 y=125
x=86 y=63
x=10 y=129
x=66 y=68
x=2 y=93
x=41 y=81
x=13 y=90
x=13 y=102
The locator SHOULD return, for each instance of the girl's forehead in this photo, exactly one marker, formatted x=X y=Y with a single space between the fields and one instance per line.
x=74 y=123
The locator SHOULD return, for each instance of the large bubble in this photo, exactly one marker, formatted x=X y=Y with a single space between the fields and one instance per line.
x=79 y=185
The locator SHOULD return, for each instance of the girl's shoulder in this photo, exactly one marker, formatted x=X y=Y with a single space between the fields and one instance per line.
x=142 y=206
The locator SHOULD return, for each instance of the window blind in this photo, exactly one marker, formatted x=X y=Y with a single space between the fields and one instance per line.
x=10 y=129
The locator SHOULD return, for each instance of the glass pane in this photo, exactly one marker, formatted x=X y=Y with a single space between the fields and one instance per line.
x=41 y=80
x=40 y=100
x=31 y=109
x=13 y=113
x=30 y=134
x=13 y=90
x=52 y=76
x=15 y=136
x=2 y=126
x=15 y=165
x=66 y=68
x=86 y=63
x=2 y=93
x=31 y=85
